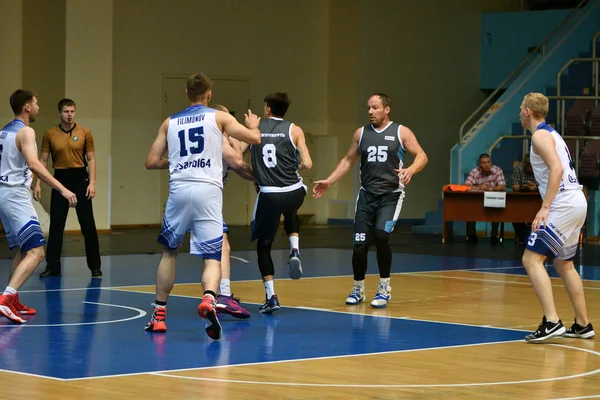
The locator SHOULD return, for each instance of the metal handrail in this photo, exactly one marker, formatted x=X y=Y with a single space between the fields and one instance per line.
x=517 y=70
x=558 y=86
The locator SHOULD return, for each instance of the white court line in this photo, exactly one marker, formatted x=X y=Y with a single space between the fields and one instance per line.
x=240 y=259
x=141 y=313
x=343 y=385
x=252 y=280
x=293 y=360
x=489 y=280
x=594 y=396
x=33 y=375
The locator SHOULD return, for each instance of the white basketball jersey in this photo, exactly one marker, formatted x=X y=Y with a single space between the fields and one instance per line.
x=195 y=146
x=13 y=167
x=541 y=171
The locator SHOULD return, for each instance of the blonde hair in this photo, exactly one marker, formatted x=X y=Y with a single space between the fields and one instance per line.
x=537 y=103
x=220 y=107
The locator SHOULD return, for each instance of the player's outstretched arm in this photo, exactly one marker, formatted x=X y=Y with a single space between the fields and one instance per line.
x=232 y=154
x=342 y=168
x=249 y=133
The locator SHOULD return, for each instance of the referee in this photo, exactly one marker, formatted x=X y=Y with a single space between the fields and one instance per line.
x=72 y=149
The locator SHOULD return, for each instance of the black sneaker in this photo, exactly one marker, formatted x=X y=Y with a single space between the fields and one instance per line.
x=295 y=264
x=270 y=305
x=545 y=331
x=582 y=332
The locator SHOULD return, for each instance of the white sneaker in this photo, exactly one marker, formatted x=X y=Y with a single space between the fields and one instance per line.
x=382 y=297
x=357 y=295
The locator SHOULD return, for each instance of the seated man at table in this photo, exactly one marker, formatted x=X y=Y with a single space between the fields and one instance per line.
x=523 y=181
x=485 y=177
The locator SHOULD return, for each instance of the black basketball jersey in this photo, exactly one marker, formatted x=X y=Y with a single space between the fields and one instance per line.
x=380 y=153
x=275 y=159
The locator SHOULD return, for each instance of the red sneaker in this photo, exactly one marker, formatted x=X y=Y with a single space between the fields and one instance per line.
x=22 y=308
x=157 y=323
x=208 y=310
x=7 y=308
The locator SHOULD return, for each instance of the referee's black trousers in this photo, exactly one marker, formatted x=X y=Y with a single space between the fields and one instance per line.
x=77 y=181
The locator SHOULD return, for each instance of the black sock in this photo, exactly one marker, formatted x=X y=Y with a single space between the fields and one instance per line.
x=213 y=294
x=160 y=303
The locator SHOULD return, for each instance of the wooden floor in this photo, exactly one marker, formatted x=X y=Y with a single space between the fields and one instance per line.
x=502 y=299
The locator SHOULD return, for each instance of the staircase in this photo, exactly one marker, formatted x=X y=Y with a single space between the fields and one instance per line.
x=571 y=39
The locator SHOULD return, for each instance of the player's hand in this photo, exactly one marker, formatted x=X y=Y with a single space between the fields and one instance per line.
x=37 y=192
x=252 y=120
x=90 y=192
x=70 y=196
x=320 y=188
x=405 y=175
x=540 y=219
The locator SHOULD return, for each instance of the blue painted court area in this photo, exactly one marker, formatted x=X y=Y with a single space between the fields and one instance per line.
x=88 y=333
x=86 y=328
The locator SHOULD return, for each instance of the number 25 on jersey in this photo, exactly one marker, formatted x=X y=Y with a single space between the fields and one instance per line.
x=377 y=153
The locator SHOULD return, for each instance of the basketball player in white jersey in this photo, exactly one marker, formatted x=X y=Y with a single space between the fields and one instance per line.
x=232 y=158
x=194 y=139
x=18 y=157
x=556 y=227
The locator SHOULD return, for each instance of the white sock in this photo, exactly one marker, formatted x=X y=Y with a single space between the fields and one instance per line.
x=225 y=287
x=270 y=289
x=294 y=242
x=359 y=284
x=384 y=282
x=10 y=290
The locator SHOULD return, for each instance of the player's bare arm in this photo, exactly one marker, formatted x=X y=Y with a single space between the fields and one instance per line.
x=249 y=133
x=300 y=142
x=544 y=145
x=37 y=187
x=232 y=154
x=411 y=144
x=342 y=168
x=155 y=159
x=26 y=145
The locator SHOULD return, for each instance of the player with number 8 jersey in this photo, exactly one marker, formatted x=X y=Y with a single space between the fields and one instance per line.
x=275 y=162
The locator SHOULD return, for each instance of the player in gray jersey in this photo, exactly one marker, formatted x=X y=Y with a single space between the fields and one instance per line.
x=275 y=163
x=381 y=146
x=18 y=158
x=557 y=226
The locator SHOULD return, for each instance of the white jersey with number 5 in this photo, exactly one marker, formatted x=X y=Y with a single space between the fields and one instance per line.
x=195 y=145
x=569 y=182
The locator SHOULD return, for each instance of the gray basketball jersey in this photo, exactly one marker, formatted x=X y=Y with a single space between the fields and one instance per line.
x=380 y=153
x=275 y=159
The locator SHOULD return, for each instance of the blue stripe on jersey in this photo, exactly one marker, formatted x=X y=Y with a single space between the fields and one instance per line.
x=14 y=126
x=194 y=110
x=544 y=125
